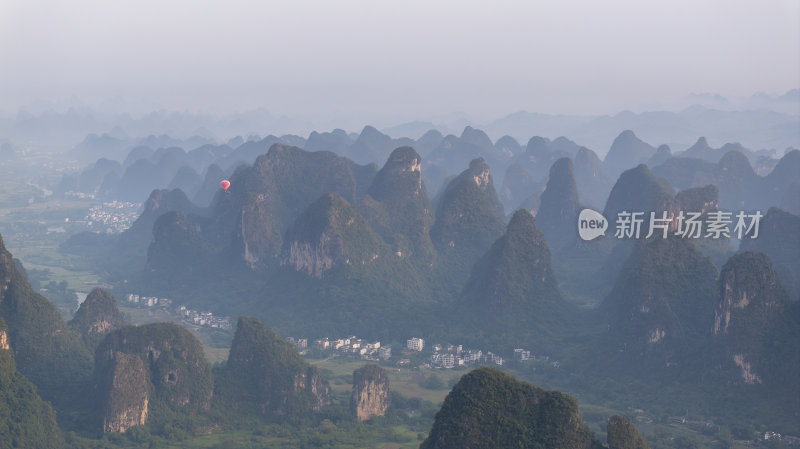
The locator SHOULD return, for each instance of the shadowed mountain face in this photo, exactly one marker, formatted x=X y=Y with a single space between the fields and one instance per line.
x=662 y=298
x=754 y=333
x=459 y=151
x=705 y=200
x=398 y=208
x=740 y=188
x=265 y=373
x=512 y=289
x=663 y=152
x=428 y=142
x=751 y=307
x=590 y=177
x=490 y=409
x=779 y=240
x=558 y=211
x=97 y=316
x=330 y=234
x=622 y=434
x=626 y=151
x=47 y=352
x=790 y=201
x=639 y=190
x=178 y=252
x=469 y=217
x=210 y=186
x=265 y=198
x=336 y=141
x=372 y=146
x=187 y=180
x=540 y=153
x=144 y=371
x=518 y=185
x=27 y=420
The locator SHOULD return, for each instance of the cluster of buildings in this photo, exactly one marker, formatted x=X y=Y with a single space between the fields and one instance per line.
x=523 y=355
x=206 y=319
x=453 y=356
x=788 y=440
x=148 y=301
x=449 y=356
x=81 y=195
x=186 y=314
x=352 y=346
x=112 y=217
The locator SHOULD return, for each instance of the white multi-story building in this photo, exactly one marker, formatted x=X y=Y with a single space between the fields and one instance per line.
x=415 y=344
x=522 y=354
x=448 y=360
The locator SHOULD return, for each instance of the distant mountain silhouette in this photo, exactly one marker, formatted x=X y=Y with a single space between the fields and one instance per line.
x=557 y=216
x=627 y=151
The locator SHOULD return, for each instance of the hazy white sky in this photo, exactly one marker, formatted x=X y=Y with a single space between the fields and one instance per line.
x=412 y=57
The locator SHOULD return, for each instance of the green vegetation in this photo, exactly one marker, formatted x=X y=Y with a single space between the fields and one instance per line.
x=179 y=378
x=47 y=352
x=398 y=208
x=622 y=434
x=97 y=316
x=469 y=218
x=490 y=409
x=512 y=294
x=264 y=374
x=25 y=420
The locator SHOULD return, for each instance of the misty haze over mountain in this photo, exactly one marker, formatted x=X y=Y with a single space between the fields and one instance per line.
x=761 y=122
x=407 y=225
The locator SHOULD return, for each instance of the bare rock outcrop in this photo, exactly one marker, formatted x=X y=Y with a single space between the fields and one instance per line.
x=127 y=398
x=371 y=396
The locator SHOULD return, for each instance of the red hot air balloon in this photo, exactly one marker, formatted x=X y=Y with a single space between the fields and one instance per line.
x=225 y=184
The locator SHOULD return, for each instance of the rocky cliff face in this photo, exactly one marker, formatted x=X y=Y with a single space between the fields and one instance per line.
x=312 y=384
x=330 y=233
x=749 y=291
x=750 y=318
x=264 y=199
x=265 y=372
x=4 y=338
x=97 y=316
x=171 y=365
x=401 y=212
x=127 y=394
x=371 y=396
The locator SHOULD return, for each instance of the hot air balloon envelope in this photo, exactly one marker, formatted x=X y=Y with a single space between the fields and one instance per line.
x=225 y=184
